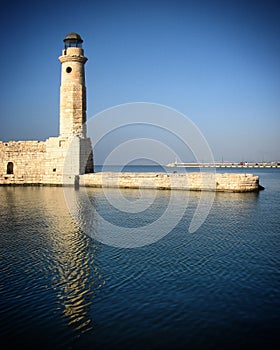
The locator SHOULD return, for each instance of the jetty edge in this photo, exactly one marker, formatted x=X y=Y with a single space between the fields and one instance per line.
x=193 y=181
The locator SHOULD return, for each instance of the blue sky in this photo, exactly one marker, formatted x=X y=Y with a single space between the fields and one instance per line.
x=217 y=62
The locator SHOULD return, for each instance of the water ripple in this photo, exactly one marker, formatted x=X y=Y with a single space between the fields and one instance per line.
x=60 y=289
x=44 y=257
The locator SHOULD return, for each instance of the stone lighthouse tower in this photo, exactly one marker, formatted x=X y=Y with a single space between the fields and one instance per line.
x=72 y=89
x=79 y=157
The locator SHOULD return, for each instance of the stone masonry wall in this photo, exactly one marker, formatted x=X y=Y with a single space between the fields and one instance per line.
x=54 y=161
x=22 y=161
x=195 y=181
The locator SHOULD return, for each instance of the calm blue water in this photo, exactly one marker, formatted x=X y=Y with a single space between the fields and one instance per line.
x=217 y=288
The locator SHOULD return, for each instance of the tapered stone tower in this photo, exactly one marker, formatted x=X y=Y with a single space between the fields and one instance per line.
x=73 y=89
x=79 y=158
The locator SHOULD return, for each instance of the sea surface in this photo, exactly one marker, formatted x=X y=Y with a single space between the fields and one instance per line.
x=62 y=287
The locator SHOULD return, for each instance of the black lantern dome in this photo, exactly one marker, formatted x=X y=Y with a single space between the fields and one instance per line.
x=73 y=40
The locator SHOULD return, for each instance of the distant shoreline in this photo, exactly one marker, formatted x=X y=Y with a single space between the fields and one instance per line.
x=225 y=165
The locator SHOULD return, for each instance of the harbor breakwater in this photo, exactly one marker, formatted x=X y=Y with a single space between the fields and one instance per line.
x=192 y=181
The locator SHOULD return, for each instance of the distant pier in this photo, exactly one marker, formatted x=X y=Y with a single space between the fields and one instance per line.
x=225 y=165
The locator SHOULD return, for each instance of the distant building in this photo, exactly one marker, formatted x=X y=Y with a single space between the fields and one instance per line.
x=59 y=159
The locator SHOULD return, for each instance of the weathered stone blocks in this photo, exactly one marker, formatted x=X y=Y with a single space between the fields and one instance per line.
x=195 y=181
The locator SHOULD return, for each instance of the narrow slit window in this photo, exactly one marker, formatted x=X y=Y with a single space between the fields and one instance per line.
x=10 y=168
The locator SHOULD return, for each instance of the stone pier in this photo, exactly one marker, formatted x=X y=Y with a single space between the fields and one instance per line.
x=193 y=181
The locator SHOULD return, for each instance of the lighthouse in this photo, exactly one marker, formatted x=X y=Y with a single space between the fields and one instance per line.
x=73 y=88
x=72 y=126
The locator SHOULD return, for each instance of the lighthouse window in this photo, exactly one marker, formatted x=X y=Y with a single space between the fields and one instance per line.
x=68 y=69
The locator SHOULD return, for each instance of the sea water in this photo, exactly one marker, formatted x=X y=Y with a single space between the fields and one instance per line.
x=62 y=287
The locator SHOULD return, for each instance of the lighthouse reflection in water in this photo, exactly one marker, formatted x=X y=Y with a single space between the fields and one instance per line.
x=62 y=288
